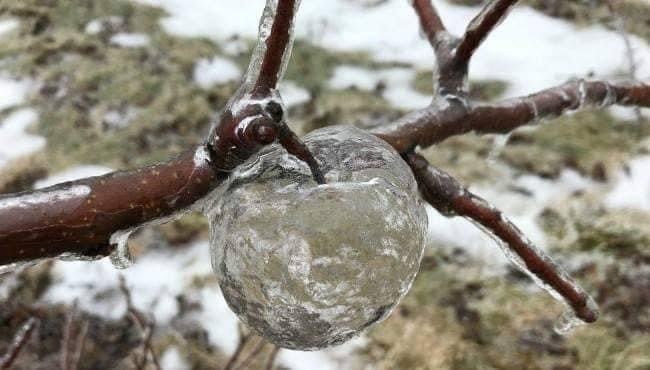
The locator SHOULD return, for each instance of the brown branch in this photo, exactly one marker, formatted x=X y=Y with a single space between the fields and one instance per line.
x=444 y=193
x=145 y=325
x=430 y=21
x=79 y=217
x=19 y=341
x=253 y=354
x=277 y=47
x=480 y=27
x=243 y=341
x=434 y=124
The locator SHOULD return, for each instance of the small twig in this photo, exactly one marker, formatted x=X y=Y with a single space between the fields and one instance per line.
x=20 y=339
x=292 y=143
x=444 y=193
x=145 y=325
x=253 y=354
x=619 y=26
x=480 y=27
x=81 y=340
x=243 y=341
x=271 y=361
x=67 y=335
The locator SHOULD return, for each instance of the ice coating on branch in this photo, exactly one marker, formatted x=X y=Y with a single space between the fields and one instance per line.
x=121 y=256
x=309 y=266
x=568 y=320
x=266 y=24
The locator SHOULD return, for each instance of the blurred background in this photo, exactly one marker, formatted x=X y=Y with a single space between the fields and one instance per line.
x=91 y=86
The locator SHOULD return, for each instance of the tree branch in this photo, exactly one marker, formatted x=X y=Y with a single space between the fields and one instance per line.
x=20 y=339
x=445 y=194
x=277 y=47
x=79 y=217
x=434 y=124
x=430 y=21
x=480 y=27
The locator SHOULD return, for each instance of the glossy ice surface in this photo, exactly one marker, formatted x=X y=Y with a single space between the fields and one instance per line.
x=309 y=266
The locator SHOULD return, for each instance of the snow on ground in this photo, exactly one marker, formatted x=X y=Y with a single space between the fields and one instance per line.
x=13 y=91
x=632 y=189
x=74 y=173
x=549 y=52
x=218 y=70
x=14 y=140
x=173 y=360
x=397 y=81
x=8 y=25
x=292 y=94
x=130 y=40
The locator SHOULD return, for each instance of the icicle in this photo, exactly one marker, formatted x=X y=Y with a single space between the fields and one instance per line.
x=121 y=257
x=582 y=94
x=610 y=96
x=567 y=322
x=499 y=143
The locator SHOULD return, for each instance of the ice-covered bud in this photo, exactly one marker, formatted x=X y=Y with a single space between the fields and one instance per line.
x=308 y=266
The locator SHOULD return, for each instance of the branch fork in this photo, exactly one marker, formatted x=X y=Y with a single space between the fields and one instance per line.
x=78 y=218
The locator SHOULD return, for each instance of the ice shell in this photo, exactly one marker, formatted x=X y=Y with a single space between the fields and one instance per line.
x=309 y=266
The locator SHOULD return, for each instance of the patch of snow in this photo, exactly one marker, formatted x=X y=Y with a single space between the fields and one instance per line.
x=235 y=46
x=548 y=53
x=98 y=25
x=632 y=189
x=217 y=318
x=335 y=358
x=155 y=281
x=94 y=27
x=14 y=140
x=172 y=360
x=215 y=71
x=120 y=118
x=397 y=81
x=74 y=173
x=292 y=94
x=130 y=40
x=627 y=113
x=13 y=91
x=8 y=25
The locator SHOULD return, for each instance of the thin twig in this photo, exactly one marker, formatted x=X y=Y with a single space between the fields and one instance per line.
x=480 y=27
x=252 y=355
x=271 y=361
x=243 y=341
x=444 y=193
x=20 y=339
x=145 y=325
x=81 y=340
